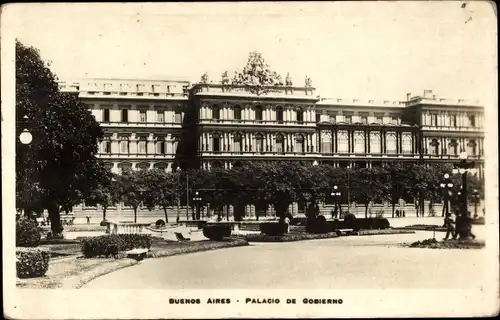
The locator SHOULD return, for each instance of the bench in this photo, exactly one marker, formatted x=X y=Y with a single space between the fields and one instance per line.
x=344 y=232
x=137 y=254
x=180 y=237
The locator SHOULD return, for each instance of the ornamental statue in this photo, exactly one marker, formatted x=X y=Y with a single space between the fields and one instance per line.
x=204 y=78
x=288 y=80
x=225 y=79
x=308 y=82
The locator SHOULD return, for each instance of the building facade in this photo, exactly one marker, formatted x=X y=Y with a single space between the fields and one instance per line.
x=172 y=124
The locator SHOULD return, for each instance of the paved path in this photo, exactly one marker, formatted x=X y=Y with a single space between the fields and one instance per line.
x=363 y=262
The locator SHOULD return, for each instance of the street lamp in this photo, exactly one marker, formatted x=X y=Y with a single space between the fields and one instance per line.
x=336 y=196
x=178 y=171
x=197 y=200
x=476 y=197
x=446 y=186
x=463 y=167
x=25 y=137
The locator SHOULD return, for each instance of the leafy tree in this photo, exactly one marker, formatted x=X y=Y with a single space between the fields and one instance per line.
x=370 y=184
x=132 y=189
x=58 y=168
x=400 y=182
x=161 y=189
x=105 y=193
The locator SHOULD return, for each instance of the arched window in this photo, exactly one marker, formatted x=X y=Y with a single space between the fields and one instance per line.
x=406 y=143
x=216 y=112
x=359 y=142
x=453 y=146
x=326 y=142
x=259 y=140
x=160 y=145
x=342 y=142
x=299 y=143
x=143 y=166
x=237 y=143
x=124 y=166
x=472 y=148
x=237 y=113
x=106 y=145
x=217 y=164
x=279 y=114
x=216 y=143
x=300 y=114
x=258 y=113
x=279 y=143
x=160 y=165
x=434 y=147
x=390 y=140
x=375 y=142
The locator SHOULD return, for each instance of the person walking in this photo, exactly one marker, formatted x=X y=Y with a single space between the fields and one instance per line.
x=88 y=219
x=469 y=226
x=450 y=229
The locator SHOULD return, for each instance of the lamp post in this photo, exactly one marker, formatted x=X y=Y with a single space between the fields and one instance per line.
x=336 y=196
x=463 y=223
x=446 y=186
x=178 y=170
x=476 y=197
x=25 y=138
x=197 y=200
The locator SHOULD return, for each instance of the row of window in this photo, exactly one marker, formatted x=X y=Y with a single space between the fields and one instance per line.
x=143 y=116
x=259 y=112
x=453 y=148
x=362 y=119
x=453 y=120
x=160 y=147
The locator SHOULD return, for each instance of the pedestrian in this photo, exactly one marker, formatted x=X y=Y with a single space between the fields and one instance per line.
x=450 y=229
x=88 y=219
x=469 y=226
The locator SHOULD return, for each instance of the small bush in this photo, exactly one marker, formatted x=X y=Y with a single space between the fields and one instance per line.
x=298 y=221
x=50 y=236
x=273 y=228
x=319 y=225
x=350 y=222
x=110 y=245
x=372 y=223
x=103 y=223
x=27 y=233
x=217 y=232
x=32 y=262
x=159 y=223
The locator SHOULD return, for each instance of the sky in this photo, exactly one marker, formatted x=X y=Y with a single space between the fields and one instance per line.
x=363 y=50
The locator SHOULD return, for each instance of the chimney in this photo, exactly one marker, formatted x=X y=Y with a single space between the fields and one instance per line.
x=408 y=96
x=427 y=93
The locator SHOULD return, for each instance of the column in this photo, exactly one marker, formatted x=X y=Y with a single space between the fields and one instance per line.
x=313 y=140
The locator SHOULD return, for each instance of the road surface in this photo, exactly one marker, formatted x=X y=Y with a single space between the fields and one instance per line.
x=356 y=262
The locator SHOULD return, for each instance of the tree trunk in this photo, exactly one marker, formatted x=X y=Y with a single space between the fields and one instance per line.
x=55 y=219
x=166 y=215
x=366 y=210
x=393 y=208
x=227 y=212
x=135 y=214
x=104 y=213
x=257 y=211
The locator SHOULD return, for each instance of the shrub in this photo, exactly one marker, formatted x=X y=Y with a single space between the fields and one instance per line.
x=32 y=262
x=298 y=221
x=319 y=225
x=217 y=232
x=159 y=223
x=27 y=233
x=372 y=223
x=350 y=222
x=50 y=236
x=273 y=228
x=110 y=245
x=103 y=223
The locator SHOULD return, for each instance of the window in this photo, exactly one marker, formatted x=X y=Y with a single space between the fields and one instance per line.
x=453 y=146
x=124 y=145
x=395 y=120
x=237 y=143
x=124 y=115
x=318 y=118
x=258 y=113
x=332 y=118
x=406 y=143
x=299 y=144
x=216 y=143
x=434 y=147
x=216 y=113
x=375 y=143
x=300 y=115
x=106 y=145
x=279 y=114
x=342 y=142
x=472 y=148
x=160 y=145
x=237 y=113
x=260 y=143
x=160 y=116
x=279 y=143
x=453 y=121
x=142 y=116
x=364 y=120
x=348 y=119
x=178 y=116
x=106 y=115
x=472 y=120
x=379 y=120
x=434 y=120
x=390 y=140
x=359 y=142
x=326 y=142
x=142 y=146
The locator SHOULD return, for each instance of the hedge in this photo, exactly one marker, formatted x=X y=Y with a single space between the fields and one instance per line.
x=104 y=223
x=319 y=225
x=32 y=262
x=110 y=245
x=273 y=228
x=27 y=233
x=217 y=232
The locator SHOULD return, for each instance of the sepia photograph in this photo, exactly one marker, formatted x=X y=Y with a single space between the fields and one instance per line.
x=250 y=159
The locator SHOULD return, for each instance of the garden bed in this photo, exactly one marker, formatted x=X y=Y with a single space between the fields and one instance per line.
x=447 y=244
x=84 y=227
x=73 y=273
x=424 y=227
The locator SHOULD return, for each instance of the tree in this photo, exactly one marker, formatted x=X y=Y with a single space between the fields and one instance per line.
x=161 y=189
x=257 y=75
x=132 y=189
x=59 y=166
x=370 y=184
x=105 y=193
x=400 y=182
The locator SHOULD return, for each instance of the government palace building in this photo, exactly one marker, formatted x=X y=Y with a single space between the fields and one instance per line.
x=176 y=124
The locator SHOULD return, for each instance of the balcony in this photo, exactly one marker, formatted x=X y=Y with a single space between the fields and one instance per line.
x=119 y=124
x=310 y=124
x=224 y=154
x=302 y=93
x=479 y=129
x=133 y=95
x=137 y=156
